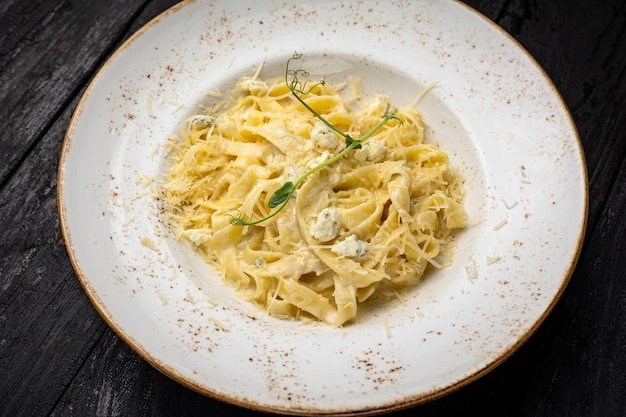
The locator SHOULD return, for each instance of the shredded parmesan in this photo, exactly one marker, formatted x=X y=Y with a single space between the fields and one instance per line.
x=399 y=296
x=525 y=179
x=213 y=93
x=149 y=107
x=508 y=205
x=386 y=326
x=493 y=259
x=356 y=87
x=500 y=224
x=421 y=95
x=471 y=269
x=139 y=195
x=162 y=297
x=219 y=323
x=178 y=105
x=155 y=149
x=148 y=243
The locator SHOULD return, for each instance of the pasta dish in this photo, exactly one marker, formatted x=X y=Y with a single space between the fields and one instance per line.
x=363 y=227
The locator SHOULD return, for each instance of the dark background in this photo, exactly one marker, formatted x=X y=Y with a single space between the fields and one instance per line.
x=58 y=357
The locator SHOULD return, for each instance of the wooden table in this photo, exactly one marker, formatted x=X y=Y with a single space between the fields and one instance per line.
x=58 y=357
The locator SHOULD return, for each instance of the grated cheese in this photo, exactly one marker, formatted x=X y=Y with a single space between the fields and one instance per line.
x=162 y=297
x=219 y=323
x=178 y=105
x=508 y=205
x=525 y=179
x=213 y=93
x=400 y=297
x=357 y=88
x=493 y=259
x=148 y=243
x=422 y=93
x=500 y=225
x=387 y=328
x=155 y=149
x=129 y=220
x=471 y=269
x=139 y=195
x=149 y=107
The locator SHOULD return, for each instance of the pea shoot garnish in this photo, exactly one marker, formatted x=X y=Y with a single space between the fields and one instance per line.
x=298 y=87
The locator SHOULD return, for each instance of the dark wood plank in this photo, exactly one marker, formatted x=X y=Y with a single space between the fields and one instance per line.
x=492 y=10
x=47 y=325
x=50 y=50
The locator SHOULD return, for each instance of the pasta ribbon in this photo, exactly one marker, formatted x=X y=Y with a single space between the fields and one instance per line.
x=357 y=230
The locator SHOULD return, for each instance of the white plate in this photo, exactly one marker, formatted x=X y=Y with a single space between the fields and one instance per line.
x=495 y=112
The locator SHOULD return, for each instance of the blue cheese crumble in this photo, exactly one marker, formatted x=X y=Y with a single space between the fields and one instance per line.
x=324 y=138
x=351 y=247
x=328 y=225
x=253 y=86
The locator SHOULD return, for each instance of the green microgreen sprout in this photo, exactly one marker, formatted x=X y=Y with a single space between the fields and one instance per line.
x=281 y=197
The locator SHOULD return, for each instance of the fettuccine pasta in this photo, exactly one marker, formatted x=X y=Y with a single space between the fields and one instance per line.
x=366 y=225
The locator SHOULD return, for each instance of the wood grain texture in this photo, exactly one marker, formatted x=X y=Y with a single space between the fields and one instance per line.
x=46 y=322
x=58 y=358
x=52 y=49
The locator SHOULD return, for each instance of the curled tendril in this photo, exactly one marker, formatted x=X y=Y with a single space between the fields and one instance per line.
x=295 y=84
x=236 y=220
